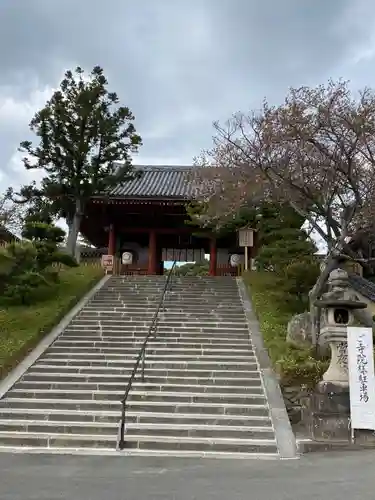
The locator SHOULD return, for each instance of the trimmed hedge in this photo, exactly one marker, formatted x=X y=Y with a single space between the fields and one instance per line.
x=294 y=366
x=22 y=327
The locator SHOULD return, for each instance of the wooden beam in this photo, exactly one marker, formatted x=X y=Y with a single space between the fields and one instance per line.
x=162 y=230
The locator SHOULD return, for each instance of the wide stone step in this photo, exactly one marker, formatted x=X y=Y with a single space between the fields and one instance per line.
x=193 y=323
x=205 y=431
x=153 y=343
x=142 y=320
x=203 y=364
x=176 y=295
x=176 y=315
x=233 y=310
x=251 y=380
x=175 y=289
x=150 y=371
x=160 y=341
x=139 y=336
x=201 y=444
x=172 y=288
x=138 y=395
x=139 y=406
x=174 y=308
x=170 y=443
x=133 y=418
x=60 y=427
x=156 y=350
x=151 y=355
x=96 y=418
x=50 y=440
x=171 y=291
x=151 y=429
x=32 y=385
x=164 y=316
x=129 y=332
x=212 y=300
x=154 y=300
x=167 y=326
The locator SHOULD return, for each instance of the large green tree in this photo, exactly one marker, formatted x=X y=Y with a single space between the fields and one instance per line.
x=84 y=135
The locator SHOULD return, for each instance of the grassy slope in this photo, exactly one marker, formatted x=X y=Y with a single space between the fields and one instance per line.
x=22 y=327
x=272 y=319
x=296 y=366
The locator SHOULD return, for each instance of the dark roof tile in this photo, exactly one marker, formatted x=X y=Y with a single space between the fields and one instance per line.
x=363 y=286
x=158 y=182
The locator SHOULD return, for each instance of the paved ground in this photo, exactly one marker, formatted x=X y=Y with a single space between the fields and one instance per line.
x=315 y=477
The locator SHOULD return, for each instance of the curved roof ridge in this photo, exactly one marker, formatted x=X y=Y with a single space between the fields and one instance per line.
x=155 y=168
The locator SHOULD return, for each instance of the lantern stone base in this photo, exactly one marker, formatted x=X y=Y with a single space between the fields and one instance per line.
x=326 y=418
x=328 y=413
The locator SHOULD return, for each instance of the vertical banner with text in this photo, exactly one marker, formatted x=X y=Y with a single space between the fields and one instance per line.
x=361 y=377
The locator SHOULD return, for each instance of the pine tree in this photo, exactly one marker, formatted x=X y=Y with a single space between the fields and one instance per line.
x=83 y=133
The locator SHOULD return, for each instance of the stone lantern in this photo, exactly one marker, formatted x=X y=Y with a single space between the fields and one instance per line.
x=330 y=403
x=338 y=305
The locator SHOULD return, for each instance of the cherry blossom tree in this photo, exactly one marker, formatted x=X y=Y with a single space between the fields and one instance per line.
x=315 y=151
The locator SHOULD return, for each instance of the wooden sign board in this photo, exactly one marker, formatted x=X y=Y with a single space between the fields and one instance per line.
x=107 y=262
x=246 y=237
x=183 y=255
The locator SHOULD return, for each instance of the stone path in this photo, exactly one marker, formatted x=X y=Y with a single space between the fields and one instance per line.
x=313 y=477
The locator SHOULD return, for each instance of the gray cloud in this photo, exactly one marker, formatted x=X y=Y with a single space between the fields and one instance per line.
x=179 y=64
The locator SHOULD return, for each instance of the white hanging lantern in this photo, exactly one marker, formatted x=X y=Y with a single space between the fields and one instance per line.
x=127 y=258
x=235 y=260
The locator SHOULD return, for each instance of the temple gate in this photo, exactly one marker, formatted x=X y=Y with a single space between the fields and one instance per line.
x=147 y=217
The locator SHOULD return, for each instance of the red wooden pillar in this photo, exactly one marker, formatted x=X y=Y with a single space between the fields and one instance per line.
x=213 y=257
x=152 y=253
x=111 y=240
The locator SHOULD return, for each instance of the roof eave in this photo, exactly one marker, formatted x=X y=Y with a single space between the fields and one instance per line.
x=143 y=198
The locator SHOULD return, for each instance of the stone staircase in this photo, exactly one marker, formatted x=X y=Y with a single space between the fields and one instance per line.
x=203 y=394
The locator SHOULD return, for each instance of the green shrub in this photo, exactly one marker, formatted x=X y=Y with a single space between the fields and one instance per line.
x=22 y=326
x=193 y=269
x=295 y=281
x=294 y=366
x=299 y=367
x=26 y=267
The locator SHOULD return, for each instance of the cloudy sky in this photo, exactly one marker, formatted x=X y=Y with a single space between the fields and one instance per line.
x=178 y=64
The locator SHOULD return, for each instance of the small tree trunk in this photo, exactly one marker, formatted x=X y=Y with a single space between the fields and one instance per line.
x=74 y=226
x=315 y=293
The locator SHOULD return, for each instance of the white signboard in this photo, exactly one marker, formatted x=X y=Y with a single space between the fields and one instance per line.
x=107 y=262
x=361 y=377
x=246 y=237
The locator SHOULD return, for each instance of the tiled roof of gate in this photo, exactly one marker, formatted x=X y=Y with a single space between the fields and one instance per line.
x=158 y=182
x=363 y=286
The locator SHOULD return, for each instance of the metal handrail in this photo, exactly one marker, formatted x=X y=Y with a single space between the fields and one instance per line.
x=142 y=356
